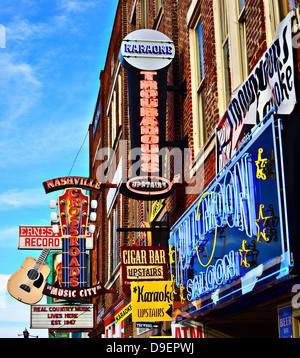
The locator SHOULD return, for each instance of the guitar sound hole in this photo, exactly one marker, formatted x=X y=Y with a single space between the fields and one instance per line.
x=33 y=274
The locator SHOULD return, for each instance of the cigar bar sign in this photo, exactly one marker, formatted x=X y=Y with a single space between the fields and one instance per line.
x=145 y=263
x=61 y=316
x=42 y=237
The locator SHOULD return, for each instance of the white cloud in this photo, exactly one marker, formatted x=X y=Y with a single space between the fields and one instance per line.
x=19 y=198
x=19 y=89
x=77 y=5
x=22 y=30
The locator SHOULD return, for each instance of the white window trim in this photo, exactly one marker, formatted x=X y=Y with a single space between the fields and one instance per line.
x=219 y=60
x=234 y=45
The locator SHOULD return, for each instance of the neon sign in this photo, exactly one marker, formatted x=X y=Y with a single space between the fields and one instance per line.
x=73 y=210
x=149 y=123
x=147 y=84
x=237 y=225
x=221 y=272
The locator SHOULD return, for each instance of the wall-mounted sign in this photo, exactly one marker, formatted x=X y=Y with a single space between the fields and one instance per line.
x=146 y=55
x=76 y=293
x=270 y=84
x=143 y=263
x=236 y=233
x=62 y=317
x=285 y=322
x=151 y=301
x=42 y=237
x=192 y=330
x=125 y=312
x=71 y=182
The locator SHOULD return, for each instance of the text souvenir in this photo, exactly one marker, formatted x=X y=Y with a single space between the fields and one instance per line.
x=146 y=55
x=271 y=84
x=234 y=239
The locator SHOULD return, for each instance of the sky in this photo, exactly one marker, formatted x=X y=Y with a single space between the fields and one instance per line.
x=51 y=54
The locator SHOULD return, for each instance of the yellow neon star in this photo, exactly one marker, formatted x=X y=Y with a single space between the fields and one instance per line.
x=262 y=233
x=243 y=252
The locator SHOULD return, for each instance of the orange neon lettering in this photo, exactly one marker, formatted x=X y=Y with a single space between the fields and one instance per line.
x=148 y=75
x=148 y=112
x=149 y=121
x=152 y=85
x=149 y=102
x=154 y=158
x=148 y=93
x=150 y=139
x=150 y=167
x=147 y=148
x=149 y=130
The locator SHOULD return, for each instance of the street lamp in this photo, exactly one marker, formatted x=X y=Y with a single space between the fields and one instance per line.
x=26 y=334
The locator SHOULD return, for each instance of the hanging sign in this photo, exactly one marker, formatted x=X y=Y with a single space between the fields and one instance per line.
x=270 y=84
x=42 y=237
x=73 y=212
x=144 y=263
x=151 y=301
x=146 y=55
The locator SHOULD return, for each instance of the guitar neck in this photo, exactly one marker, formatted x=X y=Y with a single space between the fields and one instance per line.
x=41 y=259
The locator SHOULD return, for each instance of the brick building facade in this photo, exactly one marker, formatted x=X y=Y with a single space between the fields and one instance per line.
x=218 y=43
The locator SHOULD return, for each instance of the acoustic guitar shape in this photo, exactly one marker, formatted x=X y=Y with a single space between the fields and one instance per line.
x=27 y=284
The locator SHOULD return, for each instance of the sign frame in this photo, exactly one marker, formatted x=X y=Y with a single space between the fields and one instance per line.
x=61 y=317
x=152 y=301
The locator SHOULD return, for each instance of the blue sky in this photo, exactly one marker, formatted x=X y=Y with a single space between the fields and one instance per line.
x=49 y=81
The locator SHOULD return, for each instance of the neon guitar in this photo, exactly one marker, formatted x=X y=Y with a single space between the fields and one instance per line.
x=27 y=284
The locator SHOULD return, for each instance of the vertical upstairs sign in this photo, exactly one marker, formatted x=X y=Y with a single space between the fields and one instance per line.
x=146 y=55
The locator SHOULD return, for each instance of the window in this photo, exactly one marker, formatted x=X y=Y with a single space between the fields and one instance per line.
x=158 y=4
x=275 y=12
x=242 y=38
x=198 y=88
x=225 y=49
x=115 y=245
x=144 y=14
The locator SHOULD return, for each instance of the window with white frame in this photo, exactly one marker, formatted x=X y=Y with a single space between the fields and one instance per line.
x=158 y=4
x=115 y=245
x=242 y=38
x=275 y=12
x=225 y=49
x=145 y=14
x=198 y=87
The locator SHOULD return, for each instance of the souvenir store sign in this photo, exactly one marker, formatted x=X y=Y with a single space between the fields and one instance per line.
x=234 y=239
x=146 y=55
x=270 y=84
